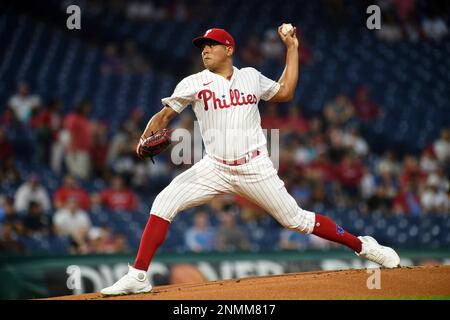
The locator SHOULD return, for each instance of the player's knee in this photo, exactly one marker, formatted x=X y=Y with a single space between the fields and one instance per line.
x=302 y=222
x=164 y=207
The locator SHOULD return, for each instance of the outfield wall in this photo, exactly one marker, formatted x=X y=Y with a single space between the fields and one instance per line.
x=48 y=276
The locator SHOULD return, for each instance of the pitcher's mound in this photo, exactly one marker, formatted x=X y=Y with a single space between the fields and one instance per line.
x=405 y=283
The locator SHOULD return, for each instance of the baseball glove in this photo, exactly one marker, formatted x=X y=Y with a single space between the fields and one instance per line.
x=154 y=144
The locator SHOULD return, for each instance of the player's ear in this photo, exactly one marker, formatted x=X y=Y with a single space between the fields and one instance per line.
x=230 y=51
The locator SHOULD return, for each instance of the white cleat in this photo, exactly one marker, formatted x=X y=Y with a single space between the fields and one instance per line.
x=384 y=256
x=135 y=281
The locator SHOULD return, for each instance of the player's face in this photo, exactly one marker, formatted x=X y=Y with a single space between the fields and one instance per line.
x=214 y=54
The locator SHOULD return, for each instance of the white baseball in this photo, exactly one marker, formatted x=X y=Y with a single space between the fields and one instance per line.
x=286 y=28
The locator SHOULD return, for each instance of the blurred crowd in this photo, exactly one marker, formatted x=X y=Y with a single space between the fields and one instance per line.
x=146 y=11
x=411 y=20
x=324 y=162
x=405 y=20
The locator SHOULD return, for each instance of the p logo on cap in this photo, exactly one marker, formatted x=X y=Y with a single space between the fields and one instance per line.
x=220 y=35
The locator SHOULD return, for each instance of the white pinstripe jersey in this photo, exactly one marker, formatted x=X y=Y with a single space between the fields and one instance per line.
x=226 y=110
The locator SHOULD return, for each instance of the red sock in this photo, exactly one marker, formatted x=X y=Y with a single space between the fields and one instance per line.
x=153 y=236
x=325 y=228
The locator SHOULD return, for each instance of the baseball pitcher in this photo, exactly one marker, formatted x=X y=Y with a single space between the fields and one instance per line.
x=225 y=101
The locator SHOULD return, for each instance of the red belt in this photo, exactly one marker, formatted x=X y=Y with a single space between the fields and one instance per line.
x=240 y=161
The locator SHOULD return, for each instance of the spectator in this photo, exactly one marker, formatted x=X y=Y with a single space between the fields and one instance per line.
x=411 y=171
x=390 y=187
x=9 y=174
x=119 y=143
x=368 y=185
x=6 y=147
x=390 y=31
x=122 y=141
x=387 y=164
x=9 y=242
x=321 y=169
x=71 y=189
x=440 y=179
x=32 y=190
x=271 y=47
x=271 y=118
x=180 y=10
x=36 y=221
x=365 y=108
x=294 y=122
x=60 y=137
x=291 y=240
x=304 y=152
x=79 y=128
x=318 y=243
x=339 y=111
x=8 y=216
x=319 y=196
x=404 y=8
x=129 y=166
x=434 y=199
x=230 y=236
x=23 y=103
x=316 y=126
x=9 y=119
x=353 y=141
x=99 y=151
x=381 y=200
x=94 y=241
x=302 y=191
x=201 y=236
x=134 y=61
x=336 y=11
x=336 y=149
x=251 y=54
x=47 y=123
x=434 y=27
x=118 y=196
x=441 y=147
x=203 y=9
x=249 y=211
x=407 y=201
x=121 y=243
x=72 y=221
x=122 y=155
x=411 y=28
x=112 y=63
x=140 y=11
x=428 y=161
x=305 y=55
x=135 y=121
x=102 y=240
x=221 y=203
x=315 y=135
x=349 y=173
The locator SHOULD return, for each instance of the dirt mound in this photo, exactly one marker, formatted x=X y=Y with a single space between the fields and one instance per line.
x=417 y=282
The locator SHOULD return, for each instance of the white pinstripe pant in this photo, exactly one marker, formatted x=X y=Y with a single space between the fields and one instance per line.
x=256 y=180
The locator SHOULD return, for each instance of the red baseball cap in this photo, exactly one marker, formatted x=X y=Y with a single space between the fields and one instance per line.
x=219 y=35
